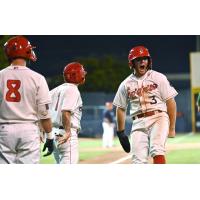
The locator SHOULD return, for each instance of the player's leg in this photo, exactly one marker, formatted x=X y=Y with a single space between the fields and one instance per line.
x=28 y=147
x=111 y=136
x=139 y=147
x=105 y=137
x=56 y=153
x=69 y=152
x=8 y=143
x=158 y=137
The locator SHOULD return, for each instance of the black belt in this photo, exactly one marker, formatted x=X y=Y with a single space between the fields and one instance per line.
x=147 y=114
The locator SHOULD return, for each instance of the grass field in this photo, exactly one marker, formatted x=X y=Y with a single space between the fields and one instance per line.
x=184 y=149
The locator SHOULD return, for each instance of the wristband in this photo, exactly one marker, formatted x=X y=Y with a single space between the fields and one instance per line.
x=50 y=135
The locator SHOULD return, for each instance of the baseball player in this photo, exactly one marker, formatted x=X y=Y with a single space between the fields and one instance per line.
x=66 y=112
x=108 y=125
x=24 y=98
x=152 y=108
x=198 y=102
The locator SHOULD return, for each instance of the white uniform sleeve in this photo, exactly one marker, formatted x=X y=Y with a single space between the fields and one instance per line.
x=43 y=95
x=166 y=90
x=43 y=99
x=70 y=99
x=121 y=97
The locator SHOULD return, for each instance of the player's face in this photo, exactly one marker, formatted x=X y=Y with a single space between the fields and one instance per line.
x=140 y=66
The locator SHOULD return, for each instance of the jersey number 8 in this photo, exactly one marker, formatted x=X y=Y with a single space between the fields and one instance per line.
x=13 y=94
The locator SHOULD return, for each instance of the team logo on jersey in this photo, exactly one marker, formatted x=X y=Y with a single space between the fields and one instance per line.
x=138 y=92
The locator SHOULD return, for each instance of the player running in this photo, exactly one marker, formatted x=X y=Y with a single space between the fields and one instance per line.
x=152 y=108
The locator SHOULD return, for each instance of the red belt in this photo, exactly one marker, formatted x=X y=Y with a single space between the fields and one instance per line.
x=147 y=114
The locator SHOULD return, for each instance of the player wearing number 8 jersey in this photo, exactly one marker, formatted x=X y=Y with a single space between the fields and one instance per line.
x=66 y=111
x=24 y=97
x=152 y=109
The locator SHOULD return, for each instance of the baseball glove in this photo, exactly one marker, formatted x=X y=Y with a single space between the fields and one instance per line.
x=124 y=141
x=50 y=146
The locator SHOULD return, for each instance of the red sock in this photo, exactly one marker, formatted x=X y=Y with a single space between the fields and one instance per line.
x=159 y=159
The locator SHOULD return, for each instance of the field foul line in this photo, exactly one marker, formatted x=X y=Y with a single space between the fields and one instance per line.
x=121 y=160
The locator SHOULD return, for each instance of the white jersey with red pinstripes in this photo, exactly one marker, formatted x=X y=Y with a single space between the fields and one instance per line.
x=147 y=93
x=66 y=97
x=22 y=90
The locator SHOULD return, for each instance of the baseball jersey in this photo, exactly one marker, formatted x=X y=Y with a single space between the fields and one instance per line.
x=22 y=91
x=147 y=93
x=109 y=115
x=66 y=97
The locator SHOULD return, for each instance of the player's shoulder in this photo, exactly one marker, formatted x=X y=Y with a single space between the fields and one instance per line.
x=156 y=74
x=4 y=70
x=34 y=73
x=127 y=79
x=70 y=87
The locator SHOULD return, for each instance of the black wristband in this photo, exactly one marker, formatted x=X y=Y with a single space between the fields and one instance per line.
x=120 y=132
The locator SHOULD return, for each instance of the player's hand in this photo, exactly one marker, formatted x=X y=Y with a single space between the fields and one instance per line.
x=64 y=138
x=124 y=141
x=42 y=136
x=172 y=133
x=49 y=145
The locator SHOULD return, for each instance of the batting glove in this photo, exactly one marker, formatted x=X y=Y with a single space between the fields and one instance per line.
x=124 y=141
x=49 y=145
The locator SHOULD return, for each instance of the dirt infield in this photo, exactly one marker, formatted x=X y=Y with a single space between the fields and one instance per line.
x=116 y=153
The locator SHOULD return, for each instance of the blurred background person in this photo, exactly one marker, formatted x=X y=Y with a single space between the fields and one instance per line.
x=108 y=125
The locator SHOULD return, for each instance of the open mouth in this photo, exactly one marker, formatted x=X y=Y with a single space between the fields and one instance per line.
x=142 y=67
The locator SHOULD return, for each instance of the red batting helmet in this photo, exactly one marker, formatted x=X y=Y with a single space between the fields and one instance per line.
x=74 y=73
x=137 y=52
x=19 y=47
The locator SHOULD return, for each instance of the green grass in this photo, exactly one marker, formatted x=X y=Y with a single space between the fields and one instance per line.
x=89 y=154
x=83 y=153
x=184 y=138
x=181 y=156
x=47 y=160
x=184 y=156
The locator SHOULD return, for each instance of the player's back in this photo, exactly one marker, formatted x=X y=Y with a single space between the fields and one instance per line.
x=67 y=97
x=20 y=93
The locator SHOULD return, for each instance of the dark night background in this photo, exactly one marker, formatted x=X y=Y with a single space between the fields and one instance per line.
x=170 y=53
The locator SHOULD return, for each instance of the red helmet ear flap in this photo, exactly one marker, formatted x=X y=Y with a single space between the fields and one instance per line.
x=19 y=47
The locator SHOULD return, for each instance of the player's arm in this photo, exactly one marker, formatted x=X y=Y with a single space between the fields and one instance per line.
x=120 y=117
x=47 y=127
x=171 y=110
x=66 y=121
x=123 y=138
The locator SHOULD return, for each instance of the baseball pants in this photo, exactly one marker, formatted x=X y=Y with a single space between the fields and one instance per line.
x=108 y=134
x=148 y=137
x=67 y=153
x=19 y=144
